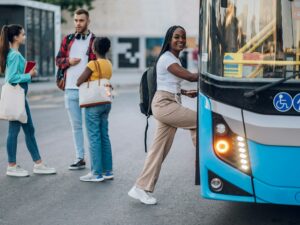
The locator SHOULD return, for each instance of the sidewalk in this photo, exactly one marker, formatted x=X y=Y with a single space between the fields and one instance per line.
x=120 y=80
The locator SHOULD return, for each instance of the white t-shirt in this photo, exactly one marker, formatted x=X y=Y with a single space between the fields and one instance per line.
x=166 y=81
x=78 y=49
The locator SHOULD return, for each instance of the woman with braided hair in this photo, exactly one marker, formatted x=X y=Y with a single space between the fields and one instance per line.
x=167 y=110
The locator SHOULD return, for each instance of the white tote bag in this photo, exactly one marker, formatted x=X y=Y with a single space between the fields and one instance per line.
x=95 y=92
x=12 y=103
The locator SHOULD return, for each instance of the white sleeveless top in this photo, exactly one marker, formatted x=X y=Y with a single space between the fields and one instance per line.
x=166 y=81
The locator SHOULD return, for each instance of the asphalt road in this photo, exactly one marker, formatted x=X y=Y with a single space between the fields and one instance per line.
x=63 y=200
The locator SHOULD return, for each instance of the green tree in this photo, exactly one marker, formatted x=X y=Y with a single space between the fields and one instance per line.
x=70 y=5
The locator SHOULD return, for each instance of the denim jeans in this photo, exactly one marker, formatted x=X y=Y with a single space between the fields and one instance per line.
x=96 y=118
x=13 y=132
x=75 y=117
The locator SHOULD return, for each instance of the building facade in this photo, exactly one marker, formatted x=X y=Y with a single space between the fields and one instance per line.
x=137 y=28
x=43 y=31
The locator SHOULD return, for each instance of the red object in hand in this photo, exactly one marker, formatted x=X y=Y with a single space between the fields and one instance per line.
x=29 y=66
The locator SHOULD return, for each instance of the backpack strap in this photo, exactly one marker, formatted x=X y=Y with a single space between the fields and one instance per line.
x=98 y=68
x=70 y=38
x=149 y=112
x=145 y=135
x=90 y=53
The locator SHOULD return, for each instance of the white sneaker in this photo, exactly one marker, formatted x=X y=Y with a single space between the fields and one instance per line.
x=108 y=175
x=41 y=168
x=16 y=171
x=141 y=195
x=92 y=178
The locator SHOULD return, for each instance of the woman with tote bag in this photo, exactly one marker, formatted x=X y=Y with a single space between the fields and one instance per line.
x=12 y=64
x=96 y=115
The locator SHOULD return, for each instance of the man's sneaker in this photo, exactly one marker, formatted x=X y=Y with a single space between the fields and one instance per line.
x=78 y=165
x=41 y=168
x=108 y=175
x=141 y=195
x=92 y=178
x=16 y=171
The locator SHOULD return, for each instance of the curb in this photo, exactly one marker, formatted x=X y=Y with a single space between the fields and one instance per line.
x=32 y=92
x=49 y=87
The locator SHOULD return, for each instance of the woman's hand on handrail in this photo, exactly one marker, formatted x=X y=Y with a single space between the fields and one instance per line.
x=189 y=93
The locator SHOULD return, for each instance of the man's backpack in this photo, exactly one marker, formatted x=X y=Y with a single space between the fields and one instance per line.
x=147 y=90
x=61 y=73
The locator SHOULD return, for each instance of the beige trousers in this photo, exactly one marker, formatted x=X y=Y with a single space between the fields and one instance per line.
x=170 y=115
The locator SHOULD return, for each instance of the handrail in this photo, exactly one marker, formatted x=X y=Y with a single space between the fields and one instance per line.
x=258 y=36
x=261 y=40
x=255 y=72
x=263 y=62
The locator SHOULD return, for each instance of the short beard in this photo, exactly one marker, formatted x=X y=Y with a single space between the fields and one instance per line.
x=84 y=30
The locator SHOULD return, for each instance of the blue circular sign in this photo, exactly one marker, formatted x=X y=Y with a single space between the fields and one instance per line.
x=283 y=102
x=296 y=102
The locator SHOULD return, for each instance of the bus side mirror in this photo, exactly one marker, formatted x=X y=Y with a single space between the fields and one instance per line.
x=224 y=3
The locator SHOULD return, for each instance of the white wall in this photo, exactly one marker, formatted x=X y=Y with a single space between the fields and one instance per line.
x=140 y=17
x=137 y=19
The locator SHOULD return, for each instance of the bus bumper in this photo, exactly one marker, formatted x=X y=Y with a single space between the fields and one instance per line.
x=235 y=188
x=276 y=195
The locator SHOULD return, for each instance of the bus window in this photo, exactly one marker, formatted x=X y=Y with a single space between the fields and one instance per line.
x=251 y=38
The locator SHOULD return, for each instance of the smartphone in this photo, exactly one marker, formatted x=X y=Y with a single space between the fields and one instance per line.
x=29 y=65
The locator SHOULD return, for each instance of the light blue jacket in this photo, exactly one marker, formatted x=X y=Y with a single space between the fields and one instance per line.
x=15 y=65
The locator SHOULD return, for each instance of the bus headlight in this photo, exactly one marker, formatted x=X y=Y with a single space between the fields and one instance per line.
x=222 y=146
x=230 y=147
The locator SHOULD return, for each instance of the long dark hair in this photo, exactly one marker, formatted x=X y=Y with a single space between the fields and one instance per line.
x=167 y=40
x=8 y=32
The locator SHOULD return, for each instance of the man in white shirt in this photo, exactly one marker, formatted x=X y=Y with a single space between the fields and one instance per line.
x=75 y=52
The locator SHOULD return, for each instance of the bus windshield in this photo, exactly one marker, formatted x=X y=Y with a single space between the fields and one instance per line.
x=257 y=39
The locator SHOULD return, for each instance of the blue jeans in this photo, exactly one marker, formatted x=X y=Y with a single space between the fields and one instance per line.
x=13 y=132
x=75 y=116
x=96 y=118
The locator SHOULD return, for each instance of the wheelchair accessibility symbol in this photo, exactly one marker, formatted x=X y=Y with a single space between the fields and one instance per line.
x=296 y=102
x=283 y=102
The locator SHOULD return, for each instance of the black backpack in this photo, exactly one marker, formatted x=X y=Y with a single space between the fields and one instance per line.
x=60 y=75
x=147 y=90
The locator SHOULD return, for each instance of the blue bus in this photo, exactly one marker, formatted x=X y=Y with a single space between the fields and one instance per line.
x=249 y=101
